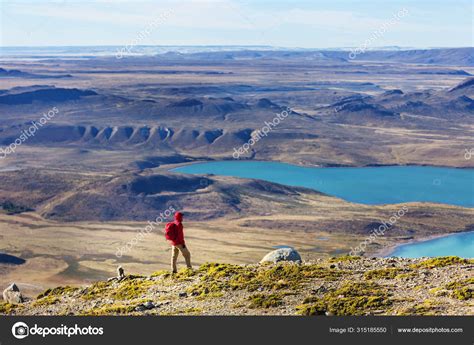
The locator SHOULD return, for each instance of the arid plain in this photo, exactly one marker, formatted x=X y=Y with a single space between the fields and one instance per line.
x=91 y=178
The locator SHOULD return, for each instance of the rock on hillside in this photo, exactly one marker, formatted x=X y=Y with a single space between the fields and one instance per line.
x=338 y=286
x=12 y=294
x=282 y=254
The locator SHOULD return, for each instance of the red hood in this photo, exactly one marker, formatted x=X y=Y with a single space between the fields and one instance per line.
x=178 y=216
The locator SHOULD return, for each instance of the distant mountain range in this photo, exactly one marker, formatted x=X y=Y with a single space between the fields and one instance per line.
x=203 y=105
x=197 y=125
x=440 y=56
x=14 y=73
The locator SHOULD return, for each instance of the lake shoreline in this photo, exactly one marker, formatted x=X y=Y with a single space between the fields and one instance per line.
x=172 y=167
x=388 y=250
x=361 y=185
x=372 y=189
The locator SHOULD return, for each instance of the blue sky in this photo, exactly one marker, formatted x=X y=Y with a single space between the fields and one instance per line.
x=306 y=24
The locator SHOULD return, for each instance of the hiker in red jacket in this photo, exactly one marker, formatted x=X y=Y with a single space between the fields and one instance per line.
x=175 y=235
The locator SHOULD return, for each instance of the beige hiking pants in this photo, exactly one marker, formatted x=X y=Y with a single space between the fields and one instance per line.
x=174 y=256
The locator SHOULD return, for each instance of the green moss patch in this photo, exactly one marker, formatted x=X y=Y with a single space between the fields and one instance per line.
x=48 y=300
x=192 y=311
x=132 y=289
x=96 y=290
x=312 y=309
x=350 y=299
x=216 y=271
x=111 y=310
x=426 y=308
x=282 y=276
x=265 y=301
x=58 y=291
x=207 y=289
x=184 y=274
x=216 y=278
x=462 y=290
x=8 y=308
x=128 y=288
x=442 y=262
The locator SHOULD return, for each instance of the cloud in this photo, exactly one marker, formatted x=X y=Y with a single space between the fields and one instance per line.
x=226 y=22
x=207 y=14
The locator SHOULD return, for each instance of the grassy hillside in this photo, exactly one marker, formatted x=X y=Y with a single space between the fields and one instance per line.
x=338 y=286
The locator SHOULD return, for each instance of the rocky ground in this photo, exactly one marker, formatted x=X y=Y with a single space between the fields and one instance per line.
x=336 y=286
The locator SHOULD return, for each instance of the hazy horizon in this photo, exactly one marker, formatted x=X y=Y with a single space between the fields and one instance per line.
x=291 y=24
x=240 y=45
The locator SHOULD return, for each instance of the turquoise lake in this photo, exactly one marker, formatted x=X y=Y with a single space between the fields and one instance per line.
x=368 y=185
x=458 y=244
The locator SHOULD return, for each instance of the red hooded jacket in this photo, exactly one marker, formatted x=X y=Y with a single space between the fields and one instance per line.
x=178 y=218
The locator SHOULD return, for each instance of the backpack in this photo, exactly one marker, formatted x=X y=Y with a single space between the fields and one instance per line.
x=171 y=232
